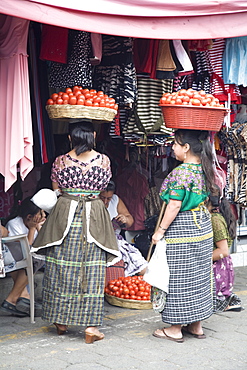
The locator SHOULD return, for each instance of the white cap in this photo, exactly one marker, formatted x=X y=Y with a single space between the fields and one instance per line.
x=45 y=199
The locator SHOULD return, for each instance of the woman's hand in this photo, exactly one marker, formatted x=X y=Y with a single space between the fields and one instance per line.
x=157 y=236
x=36 y=221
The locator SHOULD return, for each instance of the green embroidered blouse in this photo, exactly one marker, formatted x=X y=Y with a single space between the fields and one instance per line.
x=186 y=183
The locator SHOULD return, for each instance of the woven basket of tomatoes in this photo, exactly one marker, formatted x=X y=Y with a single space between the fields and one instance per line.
x=129 y=292
x=77 y=102
x=191 y=109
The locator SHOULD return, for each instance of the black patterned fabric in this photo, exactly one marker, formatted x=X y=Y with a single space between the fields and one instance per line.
x=78 y=70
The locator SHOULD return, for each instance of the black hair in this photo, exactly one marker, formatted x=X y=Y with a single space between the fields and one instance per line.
x=110 y=186
x=25 y=208
x=82 y=136
x=200 y=146
x=224 y=207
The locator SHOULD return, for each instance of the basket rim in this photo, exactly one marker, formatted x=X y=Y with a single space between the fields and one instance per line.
x=194 y=106
x=127 y=300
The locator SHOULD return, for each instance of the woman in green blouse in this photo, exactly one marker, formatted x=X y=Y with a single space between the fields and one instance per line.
x=187 y=229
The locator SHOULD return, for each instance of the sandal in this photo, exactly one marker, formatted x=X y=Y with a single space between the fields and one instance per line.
x=165 y=336
x=185 y=330
x=11 y=308
x=92 y=337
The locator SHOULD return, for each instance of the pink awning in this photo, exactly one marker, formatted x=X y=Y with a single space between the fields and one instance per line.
x=157 y=19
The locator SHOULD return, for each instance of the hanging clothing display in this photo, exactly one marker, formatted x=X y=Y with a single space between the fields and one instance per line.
x=116 y=74
x=146 y=115
x=54 y=43
x=235 y=143
x=78 y=70
x=234 y=61
x=15 y=112
x=218 y=88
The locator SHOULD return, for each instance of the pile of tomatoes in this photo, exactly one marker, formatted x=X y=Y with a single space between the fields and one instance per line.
x=190 y=97
x=130 y=287
x=79 y=96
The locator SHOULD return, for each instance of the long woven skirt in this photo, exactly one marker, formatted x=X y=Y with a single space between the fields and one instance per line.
x=74 y=280
x=189 y=255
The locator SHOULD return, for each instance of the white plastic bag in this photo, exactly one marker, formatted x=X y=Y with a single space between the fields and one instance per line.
x=157 y=273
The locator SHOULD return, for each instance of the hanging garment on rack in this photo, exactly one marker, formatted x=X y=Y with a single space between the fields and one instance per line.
x=54 y=43
x=234 y=61
x=116 y=74
x=146 y=115
x=96 y=40
x=15 y=113
x=183 y=58
x=218 y=88
x=199 y=45
x=201 y=79
x=145 y=56
x=165 y=62
x=78 y=70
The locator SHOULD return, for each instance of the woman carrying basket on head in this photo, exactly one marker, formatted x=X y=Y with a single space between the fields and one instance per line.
x=78 y=237
x=187 y=228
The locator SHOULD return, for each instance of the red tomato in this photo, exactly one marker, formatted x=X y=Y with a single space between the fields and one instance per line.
x=115 y=288
x=65 y=96
x=75 y=88
x=126 y=296
x=87 y=95
x=88 y=102
x=117 y=294
x=54 y=96
x=100 y=93
x=95 y=104
x=60 y=93
x=65 y=102
x=72 y=100
x=80 y=101
x=122 y=296
x=125 y=291
x=78 y=93
x=179 y=101
x=185 y=98
x=102 y=103
x=132 y=296
x=163 y=100
x=116 y=106
x=195 y=102
x=50 y=102
x=68 y=90
x=96 y=99
x=59 y=101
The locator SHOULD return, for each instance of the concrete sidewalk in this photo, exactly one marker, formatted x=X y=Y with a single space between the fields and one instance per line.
x=128 y=342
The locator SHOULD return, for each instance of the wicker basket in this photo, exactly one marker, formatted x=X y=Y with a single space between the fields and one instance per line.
x=128 y=303
x=80 y=111
x=193 y=117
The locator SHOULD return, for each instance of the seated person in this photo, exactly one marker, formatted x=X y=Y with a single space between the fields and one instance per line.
x=134 y=262
x=28 y=220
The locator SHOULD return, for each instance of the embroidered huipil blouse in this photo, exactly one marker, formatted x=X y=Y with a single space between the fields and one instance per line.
x=186 y=183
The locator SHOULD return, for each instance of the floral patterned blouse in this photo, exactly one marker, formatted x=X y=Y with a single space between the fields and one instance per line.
x=186 y=183
x=69 y=172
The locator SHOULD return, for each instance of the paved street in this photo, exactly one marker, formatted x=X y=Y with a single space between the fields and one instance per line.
x=128 y=342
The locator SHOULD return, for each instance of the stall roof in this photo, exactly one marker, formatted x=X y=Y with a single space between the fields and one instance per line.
x=156 y=19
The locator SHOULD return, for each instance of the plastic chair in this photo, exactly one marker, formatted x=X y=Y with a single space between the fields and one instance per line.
x=25 y=263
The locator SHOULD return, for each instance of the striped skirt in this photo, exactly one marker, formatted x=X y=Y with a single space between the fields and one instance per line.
x=74 y=280
x=189 y=256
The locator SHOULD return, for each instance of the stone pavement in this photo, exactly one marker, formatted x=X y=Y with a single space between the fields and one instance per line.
x=128 y=342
